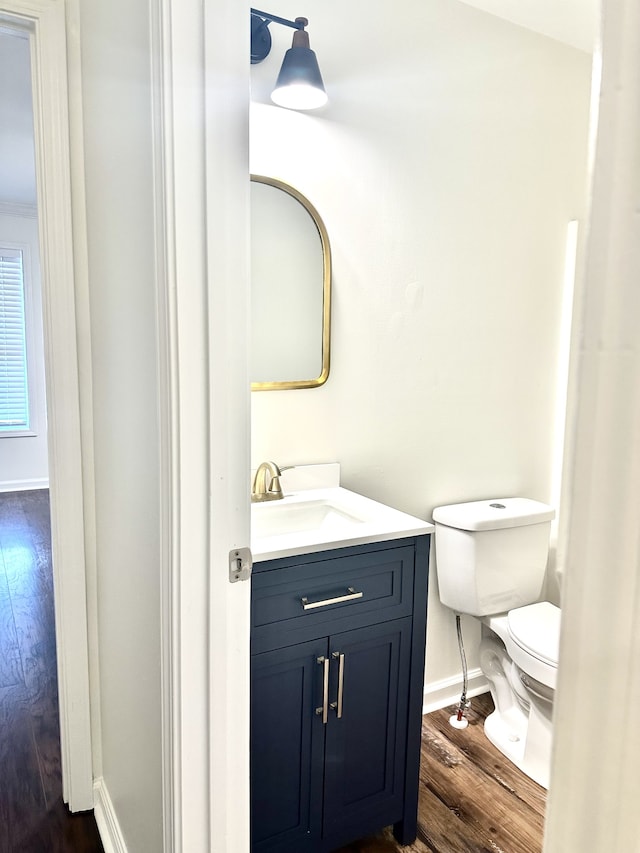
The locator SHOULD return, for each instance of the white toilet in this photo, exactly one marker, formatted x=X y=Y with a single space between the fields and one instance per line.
x=491 y=558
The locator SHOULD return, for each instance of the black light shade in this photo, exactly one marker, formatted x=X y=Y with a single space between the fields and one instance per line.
x=299 y=85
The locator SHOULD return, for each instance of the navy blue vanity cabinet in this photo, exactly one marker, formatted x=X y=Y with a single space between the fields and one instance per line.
x=287 y=754
x=337 y=670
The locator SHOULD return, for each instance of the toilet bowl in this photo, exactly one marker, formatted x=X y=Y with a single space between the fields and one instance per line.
x=531 y=635
x=519 y=658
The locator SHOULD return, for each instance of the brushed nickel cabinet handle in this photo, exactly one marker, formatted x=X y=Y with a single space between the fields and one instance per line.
x=337 y=706
x=350 y=596
x=324 y=709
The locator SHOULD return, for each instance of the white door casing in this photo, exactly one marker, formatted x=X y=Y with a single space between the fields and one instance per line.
x=45 y=22
x=201 y=78
x=595 y=785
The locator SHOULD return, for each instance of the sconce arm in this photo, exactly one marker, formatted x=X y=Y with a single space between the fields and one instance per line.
x=298 y=24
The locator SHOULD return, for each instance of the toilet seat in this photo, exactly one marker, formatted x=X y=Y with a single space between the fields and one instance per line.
x=536 y=629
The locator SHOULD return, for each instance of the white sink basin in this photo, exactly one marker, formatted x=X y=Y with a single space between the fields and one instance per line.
x=278 y=518
x=320 y=519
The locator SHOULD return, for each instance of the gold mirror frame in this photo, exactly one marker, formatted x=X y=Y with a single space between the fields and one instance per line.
x=326 y=292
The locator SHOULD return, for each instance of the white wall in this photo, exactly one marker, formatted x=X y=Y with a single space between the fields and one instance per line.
x=17 y=151
x=118 y=156
x=446 y=168
x=23 y=459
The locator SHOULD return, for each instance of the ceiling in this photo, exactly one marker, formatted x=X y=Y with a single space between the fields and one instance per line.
x=574 y=22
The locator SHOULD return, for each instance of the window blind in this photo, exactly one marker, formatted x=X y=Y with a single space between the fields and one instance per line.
x=14 y=394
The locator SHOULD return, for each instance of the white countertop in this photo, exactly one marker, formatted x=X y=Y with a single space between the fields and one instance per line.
x=308 y=520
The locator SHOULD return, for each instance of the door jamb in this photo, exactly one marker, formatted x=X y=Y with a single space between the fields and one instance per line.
x=45 y=22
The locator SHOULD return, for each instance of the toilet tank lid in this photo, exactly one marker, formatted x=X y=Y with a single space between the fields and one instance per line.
x=493 y=514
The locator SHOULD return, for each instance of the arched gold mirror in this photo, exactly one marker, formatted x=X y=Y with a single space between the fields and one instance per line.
x=290 y=289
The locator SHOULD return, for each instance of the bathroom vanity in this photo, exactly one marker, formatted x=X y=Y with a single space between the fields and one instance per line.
x=337 y=667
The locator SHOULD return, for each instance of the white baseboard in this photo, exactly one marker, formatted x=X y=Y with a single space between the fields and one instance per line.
x=439 y=694
x=24 y=485
x=106 y=819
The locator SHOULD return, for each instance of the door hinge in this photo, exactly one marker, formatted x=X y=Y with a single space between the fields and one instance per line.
x=240 y=563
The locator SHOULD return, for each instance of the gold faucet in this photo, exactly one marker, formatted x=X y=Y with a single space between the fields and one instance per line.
x=263 y=491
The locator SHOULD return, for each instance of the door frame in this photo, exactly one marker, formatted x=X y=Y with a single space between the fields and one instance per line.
x=596 y=748
x=201 y=167
x=45 y=22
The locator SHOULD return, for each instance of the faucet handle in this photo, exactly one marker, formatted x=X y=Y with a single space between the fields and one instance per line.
x=275 y=488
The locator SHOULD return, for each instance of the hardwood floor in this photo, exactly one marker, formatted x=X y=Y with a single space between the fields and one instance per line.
x=472 y=800
x=33 y=817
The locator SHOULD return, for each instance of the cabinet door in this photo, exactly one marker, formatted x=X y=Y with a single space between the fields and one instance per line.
x=287 y=748
x=366 y=732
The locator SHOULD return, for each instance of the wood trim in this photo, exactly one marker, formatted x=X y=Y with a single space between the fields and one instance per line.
x=85 y=373
x=45 y=20
x=162 y=118
x=204 y=422
x=446 y=691
x=596 y=737
x=24 y=485
x=107 y=820
x=227 y=239
x=178 y=173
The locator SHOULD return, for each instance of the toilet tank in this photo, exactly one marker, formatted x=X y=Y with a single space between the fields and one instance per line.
x=491 y=556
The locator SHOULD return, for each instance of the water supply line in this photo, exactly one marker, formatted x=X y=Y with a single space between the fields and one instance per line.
x=458 y=720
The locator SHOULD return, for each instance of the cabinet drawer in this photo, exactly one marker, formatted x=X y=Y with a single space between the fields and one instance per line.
x=347 y=591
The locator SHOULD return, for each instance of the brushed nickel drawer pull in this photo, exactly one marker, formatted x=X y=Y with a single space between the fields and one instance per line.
x=351 y=596
x=324 y=709
x=337 y=706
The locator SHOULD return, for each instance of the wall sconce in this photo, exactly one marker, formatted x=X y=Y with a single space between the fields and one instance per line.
x=299 y=85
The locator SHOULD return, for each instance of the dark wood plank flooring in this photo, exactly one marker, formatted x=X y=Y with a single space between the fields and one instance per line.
x=33 y=817
x=472 y=800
